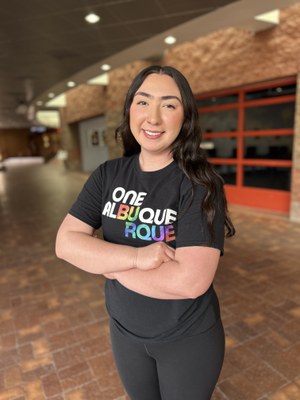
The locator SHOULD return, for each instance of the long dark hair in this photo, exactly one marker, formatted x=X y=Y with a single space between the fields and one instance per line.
x=187 y=153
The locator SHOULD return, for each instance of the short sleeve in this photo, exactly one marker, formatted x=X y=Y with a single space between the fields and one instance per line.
x=88 y=205
x=192 y=225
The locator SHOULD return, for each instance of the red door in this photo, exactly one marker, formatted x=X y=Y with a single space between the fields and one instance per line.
x=248 y=134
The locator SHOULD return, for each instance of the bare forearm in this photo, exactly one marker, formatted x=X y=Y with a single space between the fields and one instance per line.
x=165 y=282
x=94 y=255
x=75 y=243
x=188 y=275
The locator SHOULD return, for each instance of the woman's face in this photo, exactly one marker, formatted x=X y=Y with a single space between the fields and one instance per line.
x=156 y=114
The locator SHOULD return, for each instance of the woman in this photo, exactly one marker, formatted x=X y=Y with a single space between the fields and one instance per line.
x=163 y=213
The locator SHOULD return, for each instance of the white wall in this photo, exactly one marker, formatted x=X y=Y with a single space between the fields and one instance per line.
x=94 y=150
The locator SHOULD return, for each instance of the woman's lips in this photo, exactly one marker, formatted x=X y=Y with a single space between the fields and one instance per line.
x=152 y=134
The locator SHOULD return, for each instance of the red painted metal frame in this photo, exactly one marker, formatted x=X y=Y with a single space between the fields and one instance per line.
x=271 y=199
x=273 y=132
x=274 y=200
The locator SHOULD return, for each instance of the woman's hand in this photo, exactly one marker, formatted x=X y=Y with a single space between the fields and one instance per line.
x=148 y=257
x=153 y=256
x=110 y=275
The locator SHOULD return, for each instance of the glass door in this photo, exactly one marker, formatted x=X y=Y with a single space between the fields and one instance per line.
x=248 y=135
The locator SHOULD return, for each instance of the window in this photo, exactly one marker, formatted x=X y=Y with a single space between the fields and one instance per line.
x=218 y=100
x=269 y=147
x=268 y=177
x=219 y=121
x=271 y=116
x=248 y=135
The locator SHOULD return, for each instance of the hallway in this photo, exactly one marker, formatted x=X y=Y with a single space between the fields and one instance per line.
x=54 y=340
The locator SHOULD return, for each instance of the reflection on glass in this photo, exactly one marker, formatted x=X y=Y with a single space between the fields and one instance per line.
x=220 y=147
x=269 y=147
x=217 y=100
x=271 y=92
x=219 y=121
x=228 y=173
x=268 y=177
x=275 y=116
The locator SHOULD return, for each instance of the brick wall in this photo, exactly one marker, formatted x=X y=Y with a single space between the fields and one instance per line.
x=227 y=58
x=295 y=200
x=85 y=101
x=70 y=142
x=119 y=81
x=235 y=57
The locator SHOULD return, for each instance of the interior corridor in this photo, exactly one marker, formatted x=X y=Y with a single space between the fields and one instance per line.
x=54 y=340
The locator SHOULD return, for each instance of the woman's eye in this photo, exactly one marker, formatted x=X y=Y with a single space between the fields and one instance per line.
x=142 y=103
x=169 y=106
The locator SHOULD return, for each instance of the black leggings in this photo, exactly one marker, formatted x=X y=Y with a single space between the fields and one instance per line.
x=184 y=369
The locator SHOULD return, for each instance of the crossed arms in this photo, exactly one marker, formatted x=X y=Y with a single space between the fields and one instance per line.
x=155 y=270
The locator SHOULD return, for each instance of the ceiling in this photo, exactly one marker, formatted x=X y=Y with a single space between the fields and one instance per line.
x=43 y=44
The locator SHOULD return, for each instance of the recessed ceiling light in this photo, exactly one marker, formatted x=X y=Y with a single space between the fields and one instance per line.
x=58 y=101
x=71 y=84
x=92 y=18
x=272 y=17
x=170 y=40
x=102 y=79
x=105 y=67
x=39 y=103
x=51 y=95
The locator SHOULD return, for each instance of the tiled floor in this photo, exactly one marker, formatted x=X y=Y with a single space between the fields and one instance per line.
x=53 y=324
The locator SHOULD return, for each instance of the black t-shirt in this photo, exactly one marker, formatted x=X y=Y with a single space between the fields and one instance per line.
x=138 y=208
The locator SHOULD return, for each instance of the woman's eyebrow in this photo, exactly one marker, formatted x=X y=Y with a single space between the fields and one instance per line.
x=169 y=97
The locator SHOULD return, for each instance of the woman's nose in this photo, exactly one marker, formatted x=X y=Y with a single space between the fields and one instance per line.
x=154 y=117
